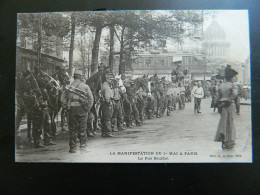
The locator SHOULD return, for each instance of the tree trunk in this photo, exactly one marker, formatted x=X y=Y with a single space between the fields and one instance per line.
x=111 y=45
x=95 y=50
x=83 y=53
x=71 y=44
x=121 y=64
x=129 y=53
x=39 y=48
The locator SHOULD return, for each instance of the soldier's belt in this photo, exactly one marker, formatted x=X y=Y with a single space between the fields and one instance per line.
x=75 y=104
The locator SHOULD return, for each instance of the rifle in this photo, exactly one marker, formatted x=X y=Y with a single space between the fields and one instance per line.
x=77 y=91
x=82 y=94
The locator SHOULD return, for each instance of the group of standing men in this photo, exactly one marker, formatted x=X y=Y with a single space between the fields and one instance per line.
x=119 y=105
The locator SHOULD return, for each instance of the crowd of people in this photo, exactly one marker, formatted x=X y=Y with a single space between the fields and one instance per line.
x=121 y=103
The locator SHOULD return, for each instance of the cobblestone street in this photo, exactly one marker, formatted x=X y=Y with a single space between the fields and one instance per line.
x=181 y=137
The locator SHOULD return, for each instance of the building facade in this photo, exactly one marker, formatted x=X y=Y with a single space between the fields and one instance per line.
x=214 y=41
x=28 y=58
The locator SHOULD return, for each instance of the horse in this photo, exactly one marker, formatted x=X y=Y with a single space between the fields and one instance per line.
x=64 y=79
x=95 y=84
x=23 y=104
x=53 y=89
x=28 y=101
x=143 y=90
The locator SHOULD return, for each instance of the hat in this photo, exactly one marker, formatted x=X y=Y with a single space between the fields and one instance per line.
x=229 y=72
x=131 y=81
x=78 y=72
x=109 y=76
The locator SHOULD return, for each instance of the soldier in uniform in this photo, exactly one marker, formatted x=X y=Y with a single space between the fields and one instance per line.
x=78 y=99
x=169 y=97
x=178 y=96
x=141 y=103
x=131 y=94
x=157 y=97
x=107 y=106
x=182 y=93
x=150 y=102
x=117 y=119
x=174 y=96
x=163 y=90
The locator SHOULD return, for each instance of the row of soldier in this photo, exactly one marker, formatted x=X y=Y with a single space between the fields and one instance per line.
x=128 y=102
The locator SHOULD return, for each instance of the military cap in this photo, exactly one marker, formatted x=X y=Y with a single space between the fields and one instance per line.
x=109 y=76
x=78 y=72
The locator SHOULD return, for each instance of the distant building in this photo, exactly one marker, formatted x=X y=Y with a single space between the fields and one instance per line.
x=28 y=58
x=151 y=63
x=214 y=41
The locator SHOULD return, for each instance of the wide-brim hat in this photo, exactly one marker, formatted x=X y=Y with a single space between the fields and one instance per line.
x=229 y=72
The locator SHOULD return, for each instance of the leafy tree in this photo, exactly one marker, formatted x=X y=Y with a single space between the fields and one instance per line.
x=43 y=30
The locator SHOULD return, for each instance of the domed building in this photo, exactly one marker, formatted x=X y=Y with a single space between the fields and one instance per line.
x=214 y=43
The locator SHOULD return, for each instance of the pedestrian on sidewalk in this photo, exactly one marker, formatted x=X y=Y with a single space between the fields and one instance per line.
x=198 y=95
x=227 y=93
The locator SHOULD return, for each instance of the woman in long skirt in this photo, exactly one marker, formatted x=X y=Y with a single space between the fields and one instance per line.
x=227 y=92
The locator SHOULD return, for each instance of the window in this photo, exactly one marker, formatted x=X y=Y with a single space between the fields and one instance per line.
x=148 y=62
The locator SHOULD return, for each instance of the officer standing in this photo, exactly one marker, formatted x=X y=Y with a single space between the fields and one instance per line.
x=78 y=99
x=107 y=106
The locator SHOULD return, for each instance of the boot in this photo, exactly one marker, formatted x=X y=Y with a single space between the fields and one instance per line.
x=39 y=145
x=49 y=143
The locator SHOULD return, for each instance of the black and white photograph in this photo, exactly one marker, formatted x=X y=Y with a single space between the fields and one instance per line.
x=137 y=86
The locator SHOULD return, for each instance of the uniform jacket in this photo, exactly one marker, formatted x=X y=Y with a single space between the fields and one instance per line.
x=199 y=93
x=69 y=97
x=170 y=91
x=161 y=88
x=182 y=90
x=193 y=89
x=116 y=93
x=178 y=91
x=131 y=92
x=106 y=92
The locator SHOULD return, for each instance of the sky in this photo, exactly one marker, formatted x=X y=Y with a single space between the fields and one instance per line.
x=236 y=26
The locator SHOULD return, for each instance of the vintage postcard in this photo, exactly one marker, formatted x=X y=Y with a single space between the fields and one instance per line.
x=161 y=86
